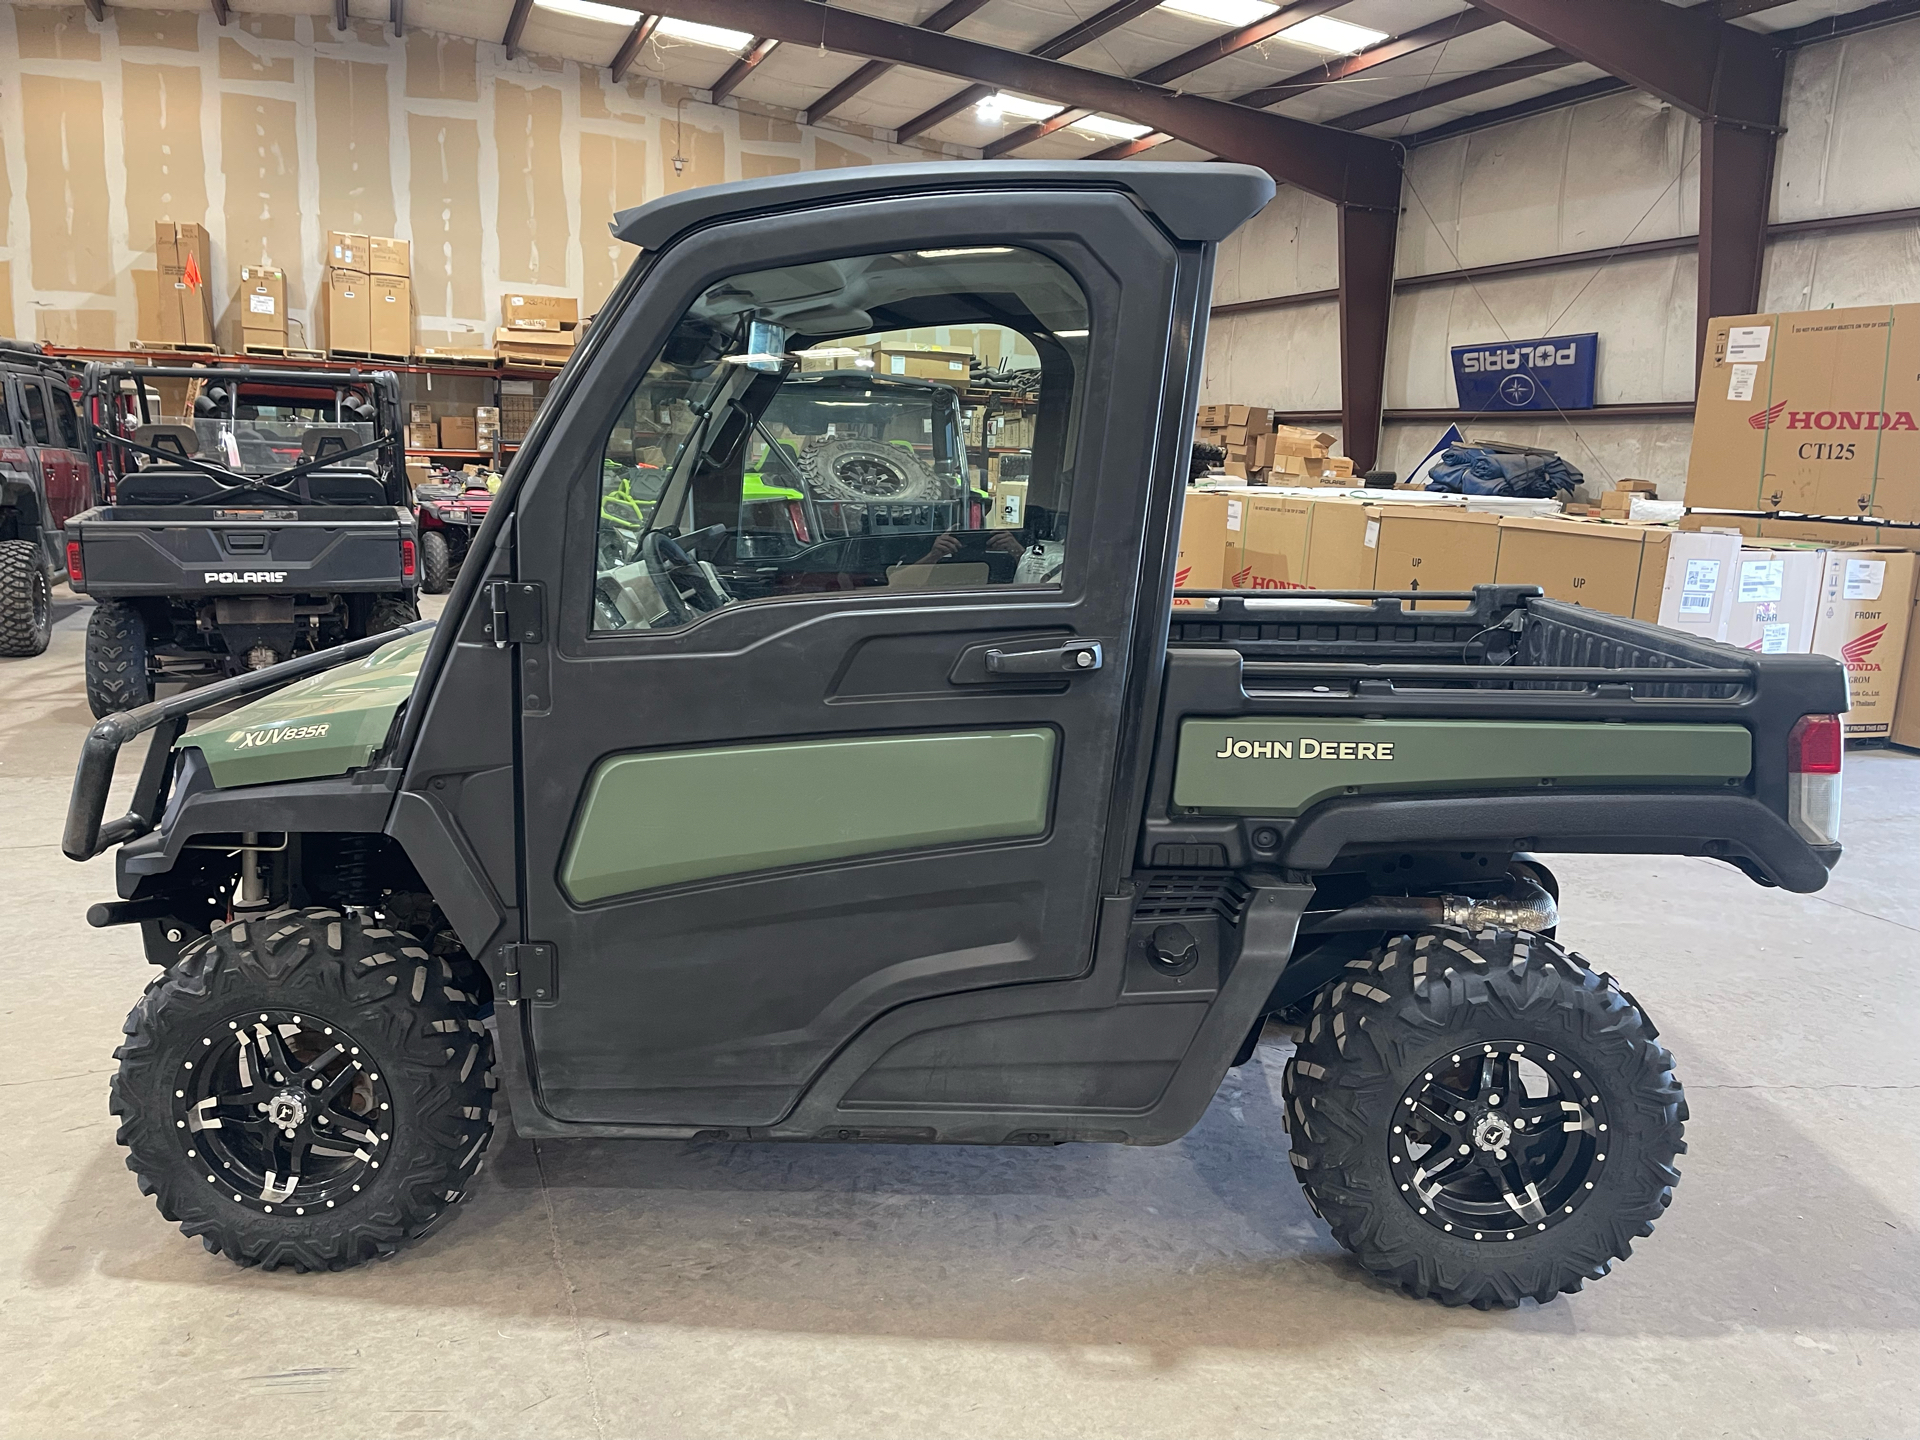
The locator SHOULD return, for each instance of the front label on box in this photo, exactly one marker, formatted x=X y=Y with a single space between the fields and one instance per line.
x=260 y=304
x=1740 y=383
x=1747 y=345
x=1760 y=580
x=1372 y=540
x=1865 y=578
x=1234 y=507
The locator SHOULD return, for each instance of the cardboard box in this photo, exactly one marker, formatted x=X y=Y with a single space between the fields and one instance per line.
x=457 y=433
x=387 y=256
x=184 y=258
x=1269 y=550
x=347 y=250
x=1009 y=505
x=1697 y=595
x=423 y=435
x=949 y=367
x=487 y=414
x=546 y=346
x=1866 y=610
x=517 y=310
x=1814 y=413
x=348 y=305
x=391 y=331
x=1434 y=547
x=419 y=413
x=1620 y=569
x=419 y=473
x=1201 y=563
x=1906 y=710
x=261 y=308
x=1776 y=596
x=1342 y=545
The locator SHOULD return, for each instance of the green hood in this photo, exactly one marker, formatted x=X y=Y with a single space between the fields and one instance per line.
x=327 y=724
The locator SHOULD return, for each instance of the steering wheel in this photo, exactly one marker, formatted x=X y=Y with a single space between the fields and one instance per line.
x=667 y=562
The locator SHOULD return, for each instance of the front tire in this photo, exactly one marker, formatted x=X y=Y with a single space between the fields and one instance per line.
x=305 y=1088
x=26 y=599
x=436 y=563
x=1481 y=1118
x=116 y=659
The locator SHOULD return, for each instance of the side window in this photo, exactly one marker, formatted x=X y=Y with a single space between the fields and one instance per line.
x=901 y=420
x=6 y=409
x=36 y=411
x=64 y=412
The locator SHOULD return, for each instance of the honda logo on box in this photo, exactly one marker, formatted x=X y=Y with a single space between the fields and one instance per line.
x=1833 y=419
x=1857 y=653
x=1764 y=418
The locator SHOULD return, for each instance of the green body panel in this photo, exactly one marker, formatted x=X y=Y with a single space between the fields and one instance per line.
x=326 y=724
x=668 y=816
x=1294 y=769
x=754 y=486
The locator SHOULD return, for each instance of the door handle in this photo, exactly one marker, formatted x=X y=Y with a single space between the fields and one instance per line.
x=1077 y=657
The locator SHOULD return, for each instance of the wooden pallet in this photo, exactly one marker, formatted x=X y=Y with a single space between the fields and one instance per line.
x=528 y=362
x=469 y=360
x=172 y=347
x=357 y=355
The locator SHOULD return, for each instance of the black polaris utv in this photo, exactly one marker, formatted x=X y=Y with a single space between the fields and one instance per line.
x=246 y=515
x=43 y=483
x=917 y=844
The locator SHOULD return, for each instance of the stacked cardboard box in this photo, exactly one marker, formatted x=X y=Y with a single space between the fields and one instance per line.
x=948 y=367
x=1617 y=503
x=368 y=308
x=260 y=311
x=1621 y=569
x=423 y=430
x=486 y=425
x=458 y=432
x=184 y=255
x=537 y=329
x=1865 y=612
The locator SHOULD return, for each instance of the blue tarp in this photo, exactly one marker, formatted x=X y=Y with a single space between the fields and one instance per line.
x=1530 y=474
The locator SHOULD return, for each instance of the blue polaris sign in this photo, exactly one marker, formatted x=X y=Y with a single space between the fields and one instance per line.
x=1551 y=374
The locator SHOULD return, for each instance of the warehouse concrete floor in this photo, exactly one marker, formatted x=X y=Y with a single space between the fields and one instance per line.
x=602 y=1288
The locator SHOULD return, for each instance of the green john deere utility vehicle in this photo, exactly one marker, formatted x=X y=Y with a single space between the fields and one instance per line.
x=926 y=832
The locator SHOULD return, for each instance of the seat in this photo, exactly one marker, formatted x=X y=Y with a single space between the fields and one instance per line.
x=345 y=489
x=172 y=439
x=161 y=486
x=321 y=441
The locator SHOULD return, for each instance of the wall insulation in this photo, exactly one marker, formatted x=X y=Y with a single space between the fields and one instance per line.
x=276 y=128
x=1616 y=170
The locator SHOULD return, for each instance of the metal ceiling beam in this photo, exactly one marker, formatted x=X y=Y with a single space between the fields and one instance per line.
x=1519 y=110
x=1345 y=67
x=629 y=49
x=1349 y=169
x=1058 y=48
x=742 y=68
x=1851 y=23
x=1734 y=9
x=221 y=14
x=516 y=24
x=1127 y=149
x=97 y=9
x=1027 y=134
x=1234 y=41
x=1527 y=66
x=342 y=19
x=943 y=19
x=397 y=16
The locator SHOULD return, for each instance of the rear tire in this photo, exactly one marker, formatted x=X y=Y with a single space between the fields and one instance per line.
x=1513 y=1012
x=26 y=599
x=116 y=660
x=436 y=563
x=389 y=1061
x=390 y=612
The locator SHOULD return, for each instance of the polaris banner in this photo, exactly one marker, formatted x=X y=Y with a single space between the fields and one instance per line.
x=1550 y=374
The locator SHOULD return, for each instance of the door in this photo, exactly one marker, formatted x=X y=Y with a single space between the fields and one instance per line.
x=67 y=488
x=780 y=780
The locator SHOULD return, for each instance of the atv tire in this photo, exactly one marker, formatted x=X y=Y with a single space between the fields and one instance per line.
x=1481 y=1118
x=390 y=612
x=436 y=563
x=307 y=1027
x=26 y=599
x=870 y=471
x=116 y=659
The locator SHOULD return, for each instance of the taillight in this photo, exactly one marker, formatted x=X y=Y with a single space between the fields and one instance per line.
x=797 y=517
x=1816 y=749
x=406 y=559
x=76 y=576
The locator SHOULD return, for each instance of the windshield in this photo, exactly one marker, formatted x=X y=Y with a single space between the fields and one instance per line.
x=261 y=444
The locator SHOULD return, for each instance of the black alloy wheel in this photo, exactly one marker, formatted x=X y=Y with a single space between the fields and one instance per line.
x=281 y=1110
x=1498 y=1140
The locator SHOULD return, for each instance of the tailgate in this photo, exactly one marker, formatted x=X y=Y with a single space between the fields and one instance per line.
x=188 y=554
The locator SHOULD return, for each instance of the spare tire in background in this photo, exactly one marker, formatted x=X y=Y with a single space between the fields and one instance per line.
x=839 y=468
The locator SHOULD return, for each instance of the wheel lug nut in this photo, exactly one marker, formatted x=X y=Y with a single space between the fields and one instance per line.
x=1493 y=1099
x=1459 y=1114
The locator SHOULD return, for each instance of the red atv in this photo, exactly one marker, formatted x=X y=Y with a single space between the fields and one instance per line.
x=449 y=516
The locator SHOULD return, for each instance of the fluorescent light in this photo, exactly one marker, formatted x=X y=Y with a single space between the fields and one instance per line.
x=827 y=352
x=693 y=34
x=588 y=10
x=965 y=250
x=1069 y=334
x=1336 y=37
x=1018 y=106
x=1110 y=129
x=1221 y=12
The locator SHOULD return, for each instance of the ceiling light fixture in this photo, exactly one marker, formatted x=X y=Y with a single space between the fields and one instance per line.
x=696 y=34
x=1070 y=334
x=1221 y=12
x=1336 y=37
x=1110 y=129
x=587 y=10
x=1000 y=104
x=964 y=250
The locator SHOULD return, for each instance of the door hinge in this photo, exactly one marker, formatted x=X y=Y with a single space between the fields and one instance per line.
x=516 y=613
x=527 y=973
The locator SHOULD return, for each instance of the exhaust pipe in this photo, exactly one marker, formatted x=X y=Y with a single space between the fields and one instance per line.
x=1528 y=908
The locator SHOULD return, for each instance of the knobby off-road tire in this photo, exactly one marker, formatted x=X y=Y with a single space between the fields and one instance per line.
x=26 y=599
x=355 y=1044
x=390 y=612
x=116 y=661
x=436 y=563
x=1387 y=1103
